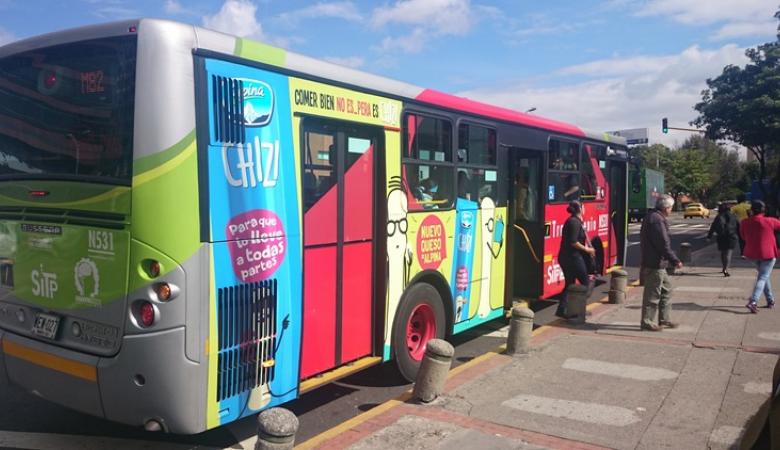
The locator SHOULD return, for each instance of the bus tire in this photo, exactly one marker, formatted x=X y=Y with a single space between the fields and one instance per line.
x=419 y=318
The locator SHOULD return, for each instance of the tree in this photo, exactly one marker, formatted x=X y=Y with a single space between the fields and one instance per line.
x=743 y=105
x=689 y=172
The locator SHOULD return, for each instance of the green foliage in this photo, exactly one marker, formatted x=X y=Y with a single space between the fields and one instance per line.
x=743 y=105
x=701 y=168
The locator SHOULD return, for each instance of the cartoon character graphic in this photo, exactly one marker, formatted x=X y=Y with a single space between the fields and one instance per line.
x=464 y=257
x=492 y=234
x=399 y=253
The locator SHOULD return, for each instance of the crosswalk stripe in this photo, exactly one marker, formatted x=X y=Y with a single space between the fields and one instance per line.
x=574 y=410
x=619 y=370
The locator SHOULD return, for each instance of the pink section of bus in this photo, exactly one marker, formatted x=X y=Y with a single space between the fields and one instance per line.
x=464 y=104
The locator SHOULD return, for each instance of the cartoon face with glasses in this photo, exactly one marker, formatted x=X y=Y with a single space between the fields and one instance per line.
x=399 y=253
x=492 y=233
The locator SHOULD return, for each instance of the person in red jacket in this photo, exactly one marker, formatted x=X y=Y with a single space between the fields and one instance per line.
x=758 y=231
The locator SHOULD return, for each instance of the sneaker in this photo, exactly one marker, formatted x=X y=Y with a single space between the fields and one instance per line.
x=726 y=273
x=668 y=324
x=651 y=327
x=752 y=307
x=770 y=304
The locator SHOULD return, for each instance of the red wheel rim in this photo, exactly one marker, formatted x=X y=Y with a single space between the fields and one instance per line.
x=420 y=329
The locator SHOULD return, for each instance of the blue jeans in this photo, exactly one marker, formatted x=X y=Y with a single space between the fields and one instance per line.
x=763 y=283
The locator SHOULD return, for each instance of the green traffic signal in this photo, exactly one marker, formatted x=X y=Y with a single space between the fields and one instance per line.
x=664 y=125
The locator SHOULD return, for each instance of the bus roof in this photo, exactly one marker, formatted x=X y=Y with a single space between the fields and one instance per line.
x=256 y=51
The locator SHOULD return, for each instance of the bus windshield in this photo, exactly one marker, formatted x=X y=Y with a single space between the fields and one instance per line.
x=66 y=112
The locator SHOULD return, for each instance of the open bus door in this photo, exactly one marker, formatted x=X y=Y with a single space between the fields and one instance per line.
x=618 y=210
x=526 y=239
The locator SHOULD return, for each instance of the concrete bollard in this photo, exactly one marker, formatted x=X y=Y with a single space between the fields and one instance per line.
x=685 y=252
x=619 y=280
x=433 y=370
x=577 y=299
x=618 y=286
x=276 y=428
x=520 y=327
x=617 y=297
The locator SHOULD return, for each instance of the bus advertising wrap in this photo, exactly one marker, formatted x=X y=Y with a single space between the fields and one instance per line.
x=255 y=229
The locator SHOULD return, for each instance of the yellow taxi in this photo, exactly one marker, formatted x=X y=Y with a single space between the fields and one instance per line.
x=696 y=210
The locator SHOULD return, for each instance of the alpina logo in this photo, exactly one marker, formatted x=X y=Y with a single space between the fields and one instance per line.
x=258 y=103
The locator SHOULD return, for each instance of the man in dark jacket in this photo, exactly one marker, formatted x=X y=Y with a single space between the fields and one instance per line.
x=657 y=254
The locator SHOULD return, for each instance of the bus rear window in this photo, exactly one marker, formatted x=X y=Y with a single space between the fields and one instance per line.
x=66 y=112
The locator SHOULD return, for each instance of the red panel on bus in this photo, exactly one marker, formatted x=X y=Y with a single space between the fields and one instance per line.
x=358 y=200
x=319 y=311
x=320 y=220
x=356 y=295
x=464 y=104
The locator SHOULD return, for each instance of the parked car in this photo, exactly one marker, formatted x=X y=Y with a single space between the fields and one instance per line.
x=696 y=210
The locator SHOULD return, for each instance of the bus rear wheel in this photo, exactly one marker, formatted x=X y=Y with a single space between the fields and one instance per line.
x=419 y=319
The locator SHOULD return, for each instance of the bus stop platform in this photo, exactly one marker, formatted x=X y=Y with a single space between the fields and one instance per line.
x=604 y=384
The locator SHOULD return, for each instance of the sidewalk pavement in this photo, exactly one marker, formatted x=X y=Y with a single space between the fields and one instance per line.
x=604 y=384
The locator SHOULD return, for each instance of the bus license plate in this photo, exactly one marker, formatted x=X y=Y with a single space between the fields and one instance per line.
x=46 y=325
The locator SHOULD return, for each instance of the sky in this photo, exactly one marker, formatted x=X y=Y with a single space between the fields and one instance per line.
x=599 y=64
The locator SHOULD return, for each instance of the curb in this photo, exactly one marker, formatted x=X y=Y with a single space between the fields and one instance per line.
x=459 y=375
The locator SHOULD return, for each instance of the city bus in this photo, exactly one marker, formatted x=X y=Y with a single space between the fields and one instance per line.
x=196 y=226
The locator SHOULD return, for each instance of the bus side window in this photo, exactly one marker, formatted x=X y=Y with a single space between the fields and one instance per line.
x=319 y=169
x=427 y=162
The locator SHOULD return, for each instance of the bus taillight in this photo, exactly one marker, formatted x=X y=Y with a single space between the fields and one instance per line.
x=154 y=268
x=147 y=314
x=163 y=292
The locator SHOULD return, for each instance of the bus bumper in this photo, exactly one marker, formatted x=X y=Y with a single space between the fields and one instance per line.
x=149 y=379
x=58 y=375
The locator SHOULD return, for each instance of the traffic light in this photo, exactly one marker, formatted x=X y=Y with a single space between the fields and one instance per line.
x=664 y=125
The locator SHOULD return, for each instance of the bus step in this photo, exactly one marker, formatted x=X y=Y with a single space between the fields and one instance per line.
x=337 y=373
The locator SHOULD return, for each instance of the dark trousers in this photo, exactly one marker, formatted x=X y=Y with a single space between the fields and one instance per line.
x=573 y=270
x=725 y=259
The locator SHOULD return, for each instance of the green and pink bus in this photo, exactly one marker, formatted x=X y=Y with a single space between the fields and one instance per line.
x=196 y=226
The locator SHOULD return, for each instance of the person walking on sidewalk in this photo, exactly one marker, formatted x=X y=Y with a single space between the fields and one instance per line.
x=741 y=210
x=574 y=253
x=726 y=226
x=657 y=254
x=758 y=231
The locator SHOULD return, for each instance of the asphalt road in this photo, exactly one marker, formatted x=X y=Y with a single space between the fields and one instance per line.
x=25 y=415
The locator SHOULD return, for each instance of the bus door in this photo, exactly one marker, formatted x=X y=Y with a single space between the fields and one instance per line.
x=339 y=188
x=527 y=235
x=618 y=192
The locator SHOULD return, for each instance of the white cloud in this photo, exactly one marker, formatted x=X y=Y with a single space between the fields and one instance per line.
x=6 y=37
x=712 y=11
x=173 y=7
x=439 y=16
x=635 y=93
x=112 y=9
x=340 y=10
x=410 y=43
x=746 y=29
x=352 y=61
x=429 y=19
x=740 y=18
x=236 y=17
